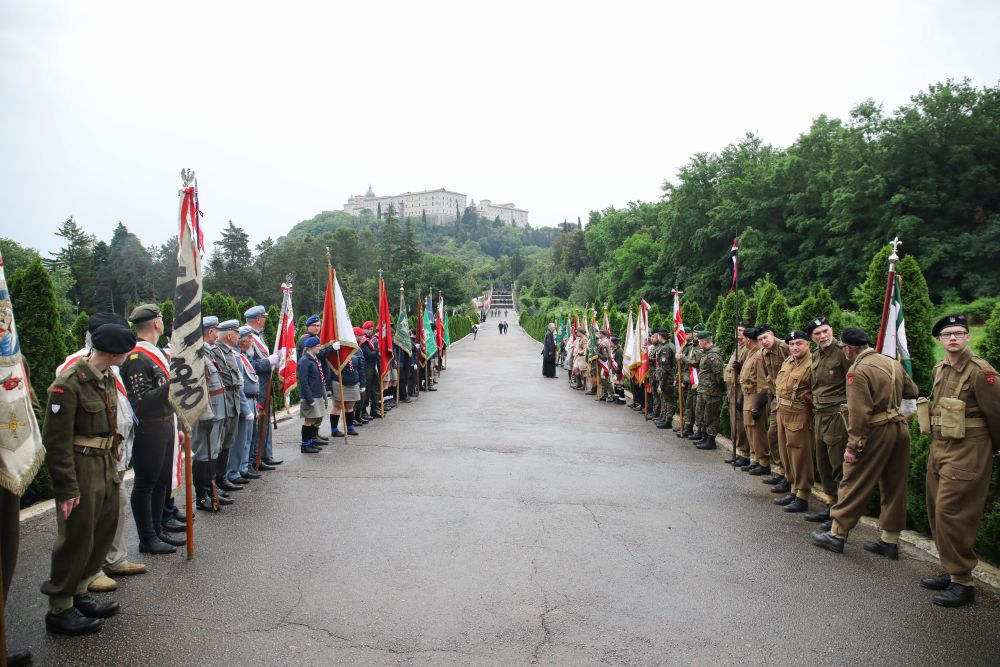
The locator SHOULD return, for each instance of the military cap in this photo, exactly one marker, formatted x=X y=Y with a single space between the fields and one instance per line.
x=256 y=311
x=615 y=338
x=368 y=325
x=796 y=335
x=744 y=324
x=245 y=331
x=358 y=331
x=209 y=321
x=98 y=319
x=687 y=330
x=312 y=319
x=698 y=327
x=229 y=325
x=750 y=333
x=310 y=341
x=113 y=338
x=144 y=313
x=704 y=335
x=816 y=324
x=953 y=320
x=854 y=336
x=763 y=329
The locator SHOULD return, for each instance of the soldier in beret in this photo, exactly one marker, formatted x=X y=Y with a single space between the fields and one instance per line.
x=689 y=360
x=794 y=422
x=772 y=355
x=82 y=448
x=735 y=397
x=959 y=465
x=666 y=379
x=829 y=389
x=146 y=372
x=754 y=384
x=878 y=447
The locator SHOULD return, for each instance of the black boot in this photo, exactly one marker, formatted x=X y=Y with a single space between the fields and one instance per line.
x=820 y=516
x=71 y=622
x=887 y=549
x=696 y=435
x=350 y=426
x=91 y=608
x=956 y=595
x=937 y=582
x=707 y=443
x=797 y=505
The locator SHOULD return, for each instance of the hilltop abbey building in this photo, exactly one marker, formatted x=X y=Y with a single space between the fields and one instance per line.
x=439 y=206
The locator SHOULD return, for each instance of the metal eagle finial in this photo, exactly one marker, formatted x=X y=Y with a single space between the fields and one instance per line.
x=187 y=177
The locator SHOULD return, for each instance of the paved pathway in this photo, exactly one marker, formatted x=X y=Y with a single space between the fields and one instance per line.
x=507 y=520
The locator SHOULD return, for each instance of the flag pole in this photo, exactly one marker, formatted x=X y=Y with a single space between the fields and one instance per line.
x=381 y=383
x=188 y=491
x=340 y=376
x=420 y=323
x=893 y=258
x=736 y=350
x=680 y=379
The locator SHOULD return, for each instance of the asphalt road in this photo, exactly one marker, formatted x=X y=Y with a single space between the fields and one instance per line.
x=506 y=520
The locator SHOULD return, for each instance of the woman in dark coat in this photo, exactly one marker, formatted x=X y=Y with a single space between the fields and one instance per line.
x=549 y=353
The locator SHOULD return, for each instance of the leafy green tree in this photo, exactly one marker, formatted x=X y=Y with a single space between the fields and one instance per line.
x=15 y=256
x=725 y=322
x=78 y=332
x=131 y=267
x=750 y=311
x=691 y=312
x=43 y=342
x=167 y=310
x=991 y=344
x=779 y=316
x=230 y=268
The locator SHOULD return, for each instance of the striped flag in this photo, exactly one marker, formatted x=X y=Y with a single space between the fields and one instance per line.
x=734 y=260
x=631 y=350
x=894 y=342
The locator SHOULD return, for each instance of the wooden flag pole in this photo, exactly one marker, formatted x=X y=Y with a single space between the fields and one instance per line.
x=336 y=331
x=188 y=492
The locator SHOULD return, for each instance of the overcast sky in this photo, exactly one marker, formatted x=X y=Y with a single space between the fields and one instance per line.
x=286 y=109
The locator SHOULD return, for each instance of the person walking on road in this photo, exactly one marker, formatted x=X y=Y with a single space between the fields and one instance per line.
x=549 y=353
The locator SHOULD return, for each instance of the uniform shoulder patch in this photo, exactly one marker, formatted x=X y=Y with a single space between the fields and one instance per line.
x=991 y=376
x=134 y=356
x=56 y=390
x=850 y=378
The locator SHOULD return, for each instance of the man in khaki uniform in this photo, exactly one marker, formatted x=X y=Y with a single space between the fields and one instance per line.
x=795 y=421
x=82 y=447
x=735 y=396
x=773 y=353
x=959 y=468
x=878 y=447
x=754 y=382
x=829 y=388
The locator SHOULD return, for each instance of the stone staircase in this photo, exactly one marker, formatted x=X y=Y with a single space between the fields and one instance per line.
x=503 y=299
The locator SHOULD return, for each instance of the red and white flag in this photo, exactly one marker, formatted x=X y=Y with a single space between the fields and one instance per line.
x=640 y=366
x=384 y=328
x=337 y=325
x=284 y=344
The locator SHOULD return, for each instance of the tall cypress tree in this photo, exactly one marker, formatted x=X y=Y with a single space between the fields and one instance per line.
x=43 y=342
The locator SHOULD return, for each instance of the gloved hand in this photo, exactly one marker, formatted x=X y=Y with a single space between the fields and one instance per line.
x=908 y=406
x=757 y=405
x=274 y=359
x=336 y=345
x=737 y=366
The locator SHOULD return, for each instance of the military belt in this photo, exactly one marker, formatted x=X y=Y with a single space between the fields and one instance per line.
x=217 y=392
x=88 y=442
x=829 y=409
x=233 y=387
x=789 y=403
x=90 y=451
x=882 y=417
x=158 y=418
x=970 y=422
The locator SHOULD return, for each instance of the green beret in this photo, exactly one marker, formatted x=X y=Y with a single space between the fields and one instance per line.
x=144 y=313
x=699 y=326
x=704 y=335
x=687 y=330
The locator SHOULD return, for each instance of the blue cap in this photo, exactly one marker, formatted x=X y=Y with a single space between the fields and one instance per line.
x=209 y=321
x=310 y=341
x=312 y=319
x=245 y=331
x=229 y=325
x=256 y=311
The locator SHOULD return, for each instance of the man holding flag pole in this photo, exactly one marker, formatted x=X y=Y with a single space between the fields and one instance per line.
x=385 y=339
x=337 y=332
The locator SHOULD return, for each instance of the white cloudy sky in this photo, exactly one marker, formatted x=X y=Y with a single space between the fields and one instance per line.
x=286 y=109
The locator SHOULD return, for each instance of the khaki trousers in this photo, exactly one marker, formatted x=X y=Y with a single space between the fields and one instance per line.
x=958 y=479
x=757 y=436
x=777 y=456
x=795 y=440
x=885 y=461
x=831 y=441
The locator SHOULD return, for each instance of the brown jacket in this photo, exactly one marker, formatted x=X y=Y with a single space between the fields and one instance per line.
x=875 y=385
x=829 y=376
x=980 y=393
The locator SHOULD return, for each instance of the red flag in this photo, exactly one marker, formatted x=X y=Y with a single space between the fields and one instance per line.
x=285 y=344
x=439 y=322
x=384 y=328
x=336 y=322
x=642 y=331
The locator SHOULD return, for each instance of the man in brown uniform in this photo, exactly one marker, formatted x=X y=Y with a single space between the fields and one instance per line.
x=829 y=389
x=794 y=422
x=734 y=392
x=754 y=386
x=773 y=353
x=878 y=447
x=959 y=468
x=81 y=446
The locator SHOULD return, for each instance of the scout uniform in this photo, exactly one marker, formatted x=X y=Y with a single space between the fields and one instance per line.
x=794 y=422
x=959 y=466
x=710 y=387
x=829 y=388
x=877 y=434
x=82 y=447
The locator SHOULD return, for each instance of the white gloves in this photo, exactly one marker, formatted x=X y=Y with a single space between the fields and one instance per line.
x=274 y=359
x=336 y=345
x=908 y=406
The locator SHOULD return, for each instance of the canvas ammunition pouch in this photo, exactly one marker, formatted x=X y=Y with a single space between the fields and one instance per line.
x=948 y=412
x=727 y=374
x=924 y=415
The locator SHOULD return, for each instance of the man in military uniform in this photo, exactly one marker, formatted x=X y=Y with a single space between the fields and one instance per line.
x=652 y=376
x=773 y=353
x=372 y=397
x=263 y=363
x=81 y=451
x=878 y=447
x=754 y=387
x=829 y=389
x=206 y=434
x=684 y=385
x=666 y=379
x=741 y=447
x=959 y=468
x=710 y=387
x=618 y=370
x=239 y=456
x=232 y=380
x=794 y=422
x=146 y=373
x=604 y=361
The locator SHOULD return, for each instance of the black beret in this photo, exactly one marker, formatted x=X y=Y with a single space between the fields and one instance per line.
x=745 y=324
x=954 y=320
x=113 y=338
x=796 y=335
x=763 y=328
x=615 y=338
x=815 y=324
x=98 y=319
x=750 y=333
x=854 y=336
